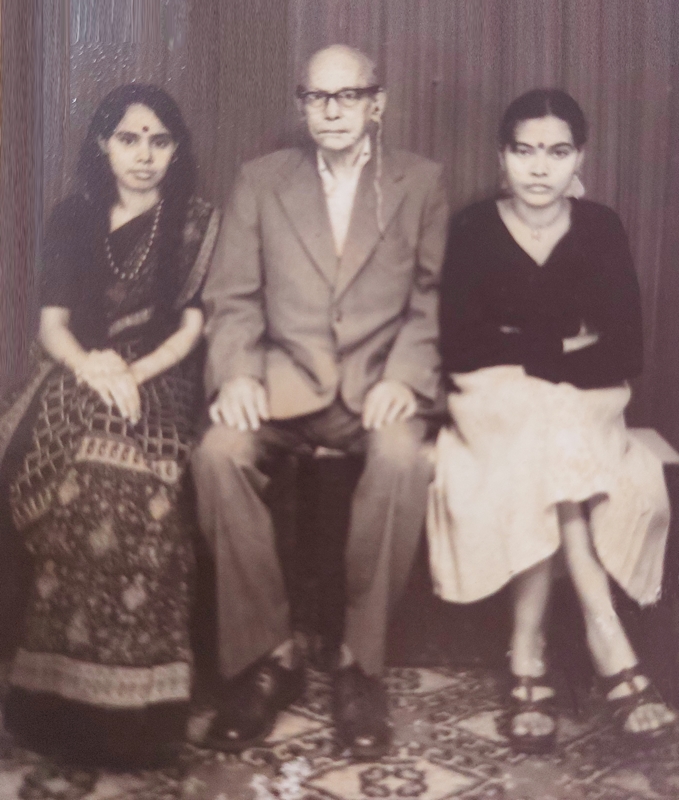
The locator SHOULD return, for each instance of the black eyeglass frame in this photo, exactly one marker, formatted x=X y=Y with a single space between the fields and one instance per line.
x=308 y=96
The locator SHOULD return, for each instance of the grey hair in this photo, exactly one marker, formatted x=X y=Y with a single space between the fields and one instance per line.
x=370 y=76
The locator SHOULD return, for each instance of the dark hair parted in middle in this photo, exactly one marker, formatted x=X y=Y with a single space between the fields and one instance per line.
x=99 y=184
x=94 y=170
x=543 y=103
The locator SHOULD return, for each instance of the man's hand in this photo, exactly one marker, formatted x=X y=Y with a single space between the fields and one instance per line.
x=241 y=403
x=387 y=402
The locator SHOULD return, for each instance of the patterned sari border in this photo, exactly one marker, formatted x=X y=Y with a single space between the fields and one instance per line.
x=115 y=687
x=32 y=508
x=130 y=321
x=12 y=416
x=202 y=261
x=107 y=451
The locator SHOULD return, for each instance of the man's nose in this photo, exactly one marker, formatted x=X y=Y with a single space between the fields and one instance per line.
x=332 y=108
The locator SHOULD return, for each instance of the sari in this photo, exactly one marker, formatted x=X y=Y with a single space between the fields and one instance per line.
x=103 y=670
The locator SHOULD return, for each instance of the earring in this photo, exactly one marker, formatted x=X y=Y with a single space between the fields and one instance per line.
x=576 y=188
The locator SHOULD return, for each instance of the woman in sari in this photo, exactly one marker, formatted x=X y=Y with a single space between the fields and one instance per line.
x=96 y=464
x=540 y=332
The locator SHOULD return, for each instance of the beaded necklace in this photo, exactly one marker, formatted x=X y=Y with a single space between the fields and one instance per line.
x=128 y=275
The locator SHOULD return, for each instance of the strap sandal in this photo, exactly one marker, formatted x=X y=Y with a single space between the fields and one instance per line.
x=532 y=744
x=621 y=708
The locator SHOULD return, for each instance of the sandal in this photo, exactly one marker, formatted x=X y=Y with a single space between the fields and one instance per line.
x=622 y=708
x=537 y=744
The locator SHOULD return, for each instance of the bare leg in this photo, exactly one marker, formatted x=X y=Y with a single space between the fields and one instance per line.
x=531 y=596
x=608 y=643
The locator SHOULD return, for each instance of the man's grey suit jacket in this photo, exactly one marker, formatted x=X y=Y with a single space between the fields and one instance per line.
x=283 y=308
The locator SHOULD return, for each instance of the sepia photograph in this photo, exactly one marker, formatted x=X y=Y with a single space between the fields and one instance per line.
x=339 y=399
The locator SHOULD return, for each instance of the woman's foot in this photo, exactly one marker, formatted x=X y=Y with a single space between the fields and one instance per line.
x=531 y=717
x=636 y=706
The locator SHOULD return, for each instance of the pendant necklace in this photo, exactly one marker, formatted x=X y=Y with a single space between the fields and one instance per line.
x=536 y=230
x=128 y=275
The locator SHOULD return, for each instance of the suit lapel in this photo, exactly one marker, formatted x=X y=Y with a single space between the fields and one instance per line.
x=304 y=204
x=364 y=234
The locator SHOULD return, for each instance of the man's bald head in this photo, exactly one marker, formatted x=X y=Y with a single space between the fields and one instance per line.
x=342 y=57
x=340 y=99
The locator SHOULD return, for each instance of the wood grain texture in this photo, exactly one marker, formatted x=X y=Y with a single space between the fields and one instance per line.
x=450 y=66
x=19 y=181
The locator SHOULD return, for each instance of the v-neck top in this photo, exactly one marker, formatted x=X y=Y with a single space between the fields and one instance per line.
x=498 y=306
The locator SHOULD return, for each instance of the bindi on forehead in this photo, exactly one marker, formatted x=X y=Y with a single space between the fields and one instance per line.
x=145 y=129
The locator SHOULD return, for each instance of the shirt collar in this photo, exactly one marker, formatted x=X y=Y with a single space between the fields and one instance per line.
x=361 y=160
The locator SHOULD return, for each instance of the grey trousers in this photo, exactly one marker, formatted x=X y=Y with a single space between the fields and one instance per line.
x=387 y=514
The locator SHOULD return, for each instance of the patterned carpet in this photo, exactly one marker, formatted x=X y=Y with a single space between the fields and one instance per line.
x=446 y=746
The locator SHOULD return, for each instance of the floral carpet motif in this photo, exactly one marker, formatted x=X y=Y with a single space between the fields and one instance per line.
x=446 y=747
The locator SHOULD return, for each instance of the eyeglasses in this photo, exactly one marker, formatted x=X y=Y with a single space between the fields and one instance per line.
x=347 y=97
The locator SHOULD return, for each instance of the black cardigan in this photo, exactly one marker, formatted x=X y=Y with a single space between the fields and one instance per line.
x=489 y=282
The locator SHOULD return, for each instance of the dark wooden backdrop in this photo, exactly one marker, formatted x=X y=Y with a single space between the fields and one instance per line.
x=450 y=67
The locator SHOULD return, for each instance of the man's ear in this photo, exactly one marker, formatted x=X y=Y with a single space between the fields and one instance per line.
x=379 y=104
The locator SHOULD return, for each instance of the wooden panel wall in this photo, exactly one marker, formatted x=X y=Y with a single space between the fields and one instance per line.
x=19 y=180
x=451 y=66
x=224 y=63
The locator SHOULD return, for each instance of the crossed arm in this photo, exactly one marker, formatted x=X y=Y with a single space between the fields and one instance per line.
x=104 y=371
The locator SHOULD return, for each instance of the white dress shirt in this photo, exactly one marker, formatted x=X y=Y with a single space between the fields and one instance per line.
x=340 y=192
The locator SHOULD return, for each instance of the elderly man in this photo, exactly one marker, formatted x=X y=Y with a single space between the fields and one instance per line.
x=322 y=330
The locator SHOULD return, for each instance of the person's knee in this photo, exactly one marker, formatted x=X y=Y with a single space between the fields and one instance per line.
x=222 y=448
x=398 y=447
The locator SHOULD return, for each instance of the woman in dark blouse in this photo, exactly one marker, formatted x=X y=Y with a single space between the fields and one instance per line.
x=540 y=330
x=100 y=443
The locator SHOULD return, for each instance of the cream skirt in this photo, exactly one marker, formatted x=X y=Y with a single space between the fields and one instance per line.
x=520 y=446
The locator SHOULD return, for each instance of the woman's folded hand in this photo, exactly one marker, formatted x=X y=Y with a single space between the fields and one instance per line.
x=106 y=373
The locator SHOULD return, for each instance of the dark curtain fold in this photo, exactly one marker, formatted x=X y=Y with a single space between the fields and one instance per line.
x=20 y=66
x=450 y=67
x=224 y=62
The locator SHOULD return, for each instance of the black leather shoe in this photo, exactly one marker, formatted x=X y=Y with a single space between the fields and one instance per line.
x=251 y=703
x=360 y=713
